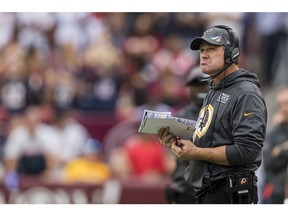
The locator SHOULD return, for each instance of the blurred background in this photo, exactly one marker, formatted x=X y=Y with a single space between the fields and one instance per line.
x=73 y=88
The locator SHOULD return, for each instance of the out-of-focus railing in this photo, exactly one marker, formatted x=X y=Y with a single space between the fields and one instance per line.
x=33 y=190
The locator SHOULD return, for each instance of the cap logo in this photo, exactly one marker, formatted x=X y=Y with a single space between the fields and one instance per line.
x=207 y=31
x=217 y=38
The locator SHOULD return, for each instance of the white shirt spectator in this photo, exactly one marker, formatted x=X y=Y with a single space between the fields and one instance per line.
x=70 y=141
x=21 y=142
x=70 y=29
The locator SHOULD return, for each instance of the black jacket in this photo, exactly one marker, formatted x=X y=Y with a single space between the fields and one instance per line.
x=233 y=114
x=275 y=165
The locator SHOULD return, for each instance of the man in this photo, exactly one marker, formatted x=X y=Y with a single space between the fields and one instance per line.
x=225 y=150
x=180 y=192
x=27 y=150
x=275 y=153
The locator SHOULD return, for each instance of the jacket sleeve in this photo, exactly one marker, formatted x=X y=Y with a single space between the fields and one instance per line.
x=248 y=125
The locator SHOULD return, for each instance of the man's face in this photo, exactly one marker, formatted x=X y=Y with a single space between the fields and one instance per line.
x=211 y=58
x=282 y=101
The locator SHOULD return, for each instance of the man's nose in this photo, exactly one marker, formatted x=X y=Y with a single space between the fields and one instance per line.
x=204 y=56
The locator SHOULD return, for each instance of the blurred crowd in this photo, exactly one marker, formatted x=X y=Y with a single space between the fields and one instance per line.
x=57 y=69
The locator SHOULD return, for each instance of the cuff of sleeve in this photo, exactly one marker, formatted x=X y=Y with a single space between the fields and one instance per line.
x=285 y=201
x=232 y=155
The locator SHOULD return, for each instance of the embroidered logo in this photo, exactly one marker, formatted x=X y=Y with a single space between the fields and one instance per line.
x=207 y=31
x=217 y=38
x=247 y=113
x=204 y=121
x=243 y=181
x=223 y=98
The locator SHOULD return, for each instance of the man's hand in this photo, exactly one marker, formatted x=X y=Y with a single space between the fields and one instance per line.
x=184 y=149
x=166 y=138
x=187 y=151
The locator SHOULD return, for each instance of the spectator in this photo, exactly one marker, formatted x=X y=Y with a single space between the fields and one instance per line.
x=70 y=141
x=152 y=101
x=275 y=156
x=64 y=91
x=273 y=30
x=14 y=88
x=27 y=149
x=141 y=156
x=88 y=167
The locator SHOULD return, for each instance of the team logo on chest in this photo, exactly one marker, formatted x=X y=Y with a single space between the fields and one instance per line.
x=204 y=120
x=223 y=98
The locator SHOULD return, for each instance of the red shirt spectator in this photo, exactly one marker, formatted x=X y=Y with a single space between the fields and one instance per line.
x=146 y=155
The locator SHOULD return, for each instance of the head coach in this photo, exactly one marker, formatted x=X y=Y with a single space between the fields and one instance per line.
x=225 y=150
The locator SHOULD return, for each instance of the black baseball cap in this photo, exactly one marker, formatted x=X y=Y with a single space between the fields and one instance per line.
x=213 y=35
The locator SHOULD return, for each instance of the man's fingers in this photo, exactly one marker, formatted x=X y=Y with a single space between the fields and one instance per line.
x=162 y=132
x=169 y=138
x=178 y=148
x=165 y=137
